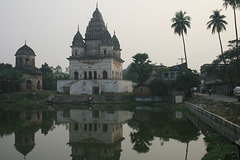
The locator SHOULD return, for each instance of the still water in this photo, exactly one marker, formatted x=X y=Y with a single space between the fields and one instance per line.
x=93 y=134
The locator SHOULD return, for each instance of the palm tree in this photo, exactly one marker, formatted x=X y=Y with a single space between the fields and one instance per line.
x=217 y=23
x=180 y=24
x=235 y=4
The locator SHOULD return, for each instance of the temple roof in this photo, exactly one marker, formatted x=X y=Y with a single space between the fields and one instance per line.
x=29 y=70
x=116 y=44
x=106 y=38
x=25 y=50
x=96 y=26
x=78 y=39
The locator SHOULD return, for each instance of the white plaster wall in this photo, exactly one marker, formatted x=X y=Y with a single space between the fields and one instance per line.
x=109 y=85
x=81 y=87
x=125 y=86
x=61 y=83
x=95 y=65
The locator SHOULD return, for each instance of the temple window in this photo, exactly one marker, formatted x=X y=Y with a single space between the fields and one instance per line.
x=105 y=127
x=85 y=75
x=95 y=75
x=75 y=75
x=90 y=75
x=104 y=74
x=26 y=61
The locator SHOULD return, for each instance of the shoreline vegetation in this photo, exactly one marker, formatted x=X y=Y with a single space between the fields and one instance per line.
x=218 y=147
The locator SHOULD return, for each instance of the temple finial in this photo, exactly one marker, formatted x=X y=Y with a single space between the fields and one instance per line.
x=78 y=27
x=25 y=42
x=114 y=32
x=97 y=5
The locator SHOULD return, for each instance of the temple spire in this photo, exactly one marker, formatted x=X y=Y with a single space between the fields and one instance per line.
x=78 y=27
x=97 y=5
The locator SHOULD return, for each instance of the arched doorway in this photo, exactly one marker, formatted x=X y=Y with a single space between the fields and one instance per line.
x=29 y=85
x=90 y=75
x=104 y=74
x=95 y=75
x=38 y=85
x=75 y=75
x=85 y=75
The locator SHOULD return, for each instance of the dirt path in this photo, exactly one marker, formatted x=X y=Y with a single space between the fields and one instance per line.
x=224 y=106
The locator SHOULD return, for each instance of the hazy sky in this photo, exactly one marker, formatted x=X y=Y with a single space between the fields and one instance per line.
x=142 y=26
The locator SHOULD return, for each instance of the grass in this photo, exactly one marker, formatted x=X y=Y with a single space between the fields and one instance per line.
x=219 y=148
x=26 y=100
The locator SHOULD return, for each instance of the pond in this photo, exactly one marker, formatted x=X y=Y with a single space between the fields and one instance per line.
x=93 y=133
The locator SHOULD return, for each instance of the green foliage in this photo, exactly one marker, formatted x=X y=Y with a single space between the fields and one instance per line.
x=217 y=22
x=159 y=87
x=219 y=147
x=129 y=74
x=49 y=81
x=181 y=22
x=141 y=66
x=187 y=79
x=9 y=78
x=230 y=71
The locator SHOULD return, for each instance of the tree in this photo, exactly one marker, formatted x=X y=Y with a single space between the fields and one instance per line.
x=186 y=80
x=230 y=71
x=217 y=23
x=49 y=81
x=129 y=74
x=160 y=86
x=180 y=24
x=9 y=78
x=141 y=66
x=235 y=4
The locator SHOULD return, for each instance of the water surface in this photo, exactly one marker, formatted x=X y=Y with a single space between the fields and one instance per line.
x=91 y=134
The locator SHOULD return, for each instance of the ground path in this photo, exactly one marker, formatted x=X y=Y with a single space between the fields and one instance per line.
x=219 y=97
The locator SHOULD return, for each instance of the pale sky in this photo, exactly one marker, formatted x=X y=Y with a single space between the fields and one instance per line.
x=142 y=26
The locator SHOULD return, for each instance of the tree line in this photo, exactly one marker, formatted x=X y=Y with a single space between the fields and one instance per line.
x=141 y=70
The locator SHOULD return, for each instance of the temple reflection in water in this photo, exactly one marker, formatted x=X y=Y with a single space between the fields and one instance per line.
x=95 y=134
x=25 y=136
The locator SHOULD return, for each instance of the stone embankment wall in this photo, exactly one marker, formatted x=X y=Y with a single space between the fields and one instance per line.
x=226 y=128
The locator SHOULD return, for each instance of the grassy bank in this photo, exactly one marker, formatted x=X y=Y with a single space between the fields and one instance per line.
x=24 y=100
x=219 y=147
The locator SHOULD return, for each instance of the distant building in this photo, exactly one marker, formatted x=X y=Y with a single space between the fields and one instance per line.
x=210 y=79
x=58 y=69
x=25 y=63
x=95 y=64
x=168 y=73
x=142 y=90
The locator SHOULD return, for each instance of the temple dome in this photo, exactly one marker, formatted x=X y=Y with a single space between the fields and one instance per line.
x=96 y=26
x=106 y=38
x=25 y=50
x=78 y=39
x=116 y=44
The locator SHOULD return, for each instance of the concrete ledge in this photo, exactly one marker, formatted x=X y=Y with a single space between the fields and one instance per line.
x=226 y=128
